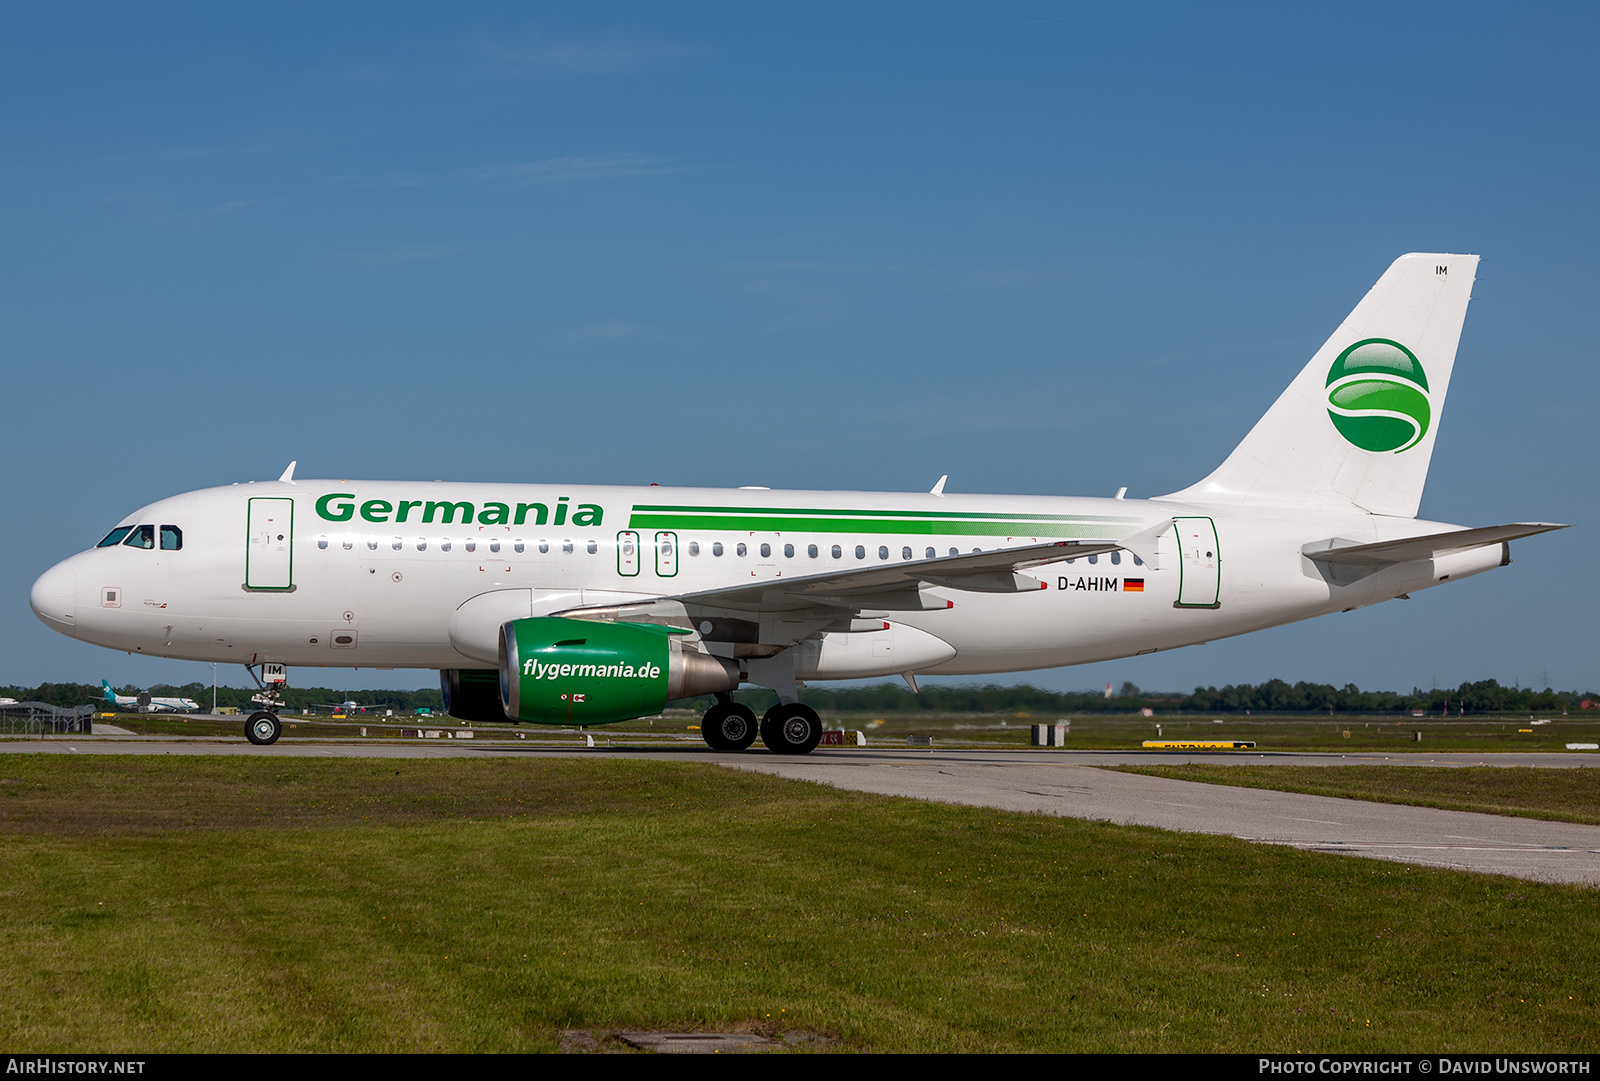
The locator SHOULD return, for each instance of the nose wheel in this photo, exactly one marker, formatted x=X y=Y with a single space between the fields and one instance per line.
x=263 y=728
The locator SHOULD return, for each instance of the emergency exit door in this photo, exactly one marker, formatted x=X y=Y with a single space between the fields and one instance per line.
x=269 y=546
x=1199 y=565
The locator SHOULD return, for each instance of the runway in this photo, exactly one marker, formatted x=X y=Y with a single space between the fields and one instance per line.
x=1066 y=783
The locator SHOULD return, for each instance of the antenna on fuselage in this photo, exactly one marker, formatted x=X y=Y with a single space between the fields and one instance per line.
x=938 y=489
x=288 y=474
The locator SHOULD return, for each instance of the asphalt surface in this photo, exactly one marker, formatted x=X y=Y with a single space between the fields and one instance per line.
x=1039 y=781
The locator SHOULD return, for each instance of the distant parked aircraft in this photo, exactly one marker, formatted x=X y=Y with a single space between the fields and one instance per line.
x=145 y=704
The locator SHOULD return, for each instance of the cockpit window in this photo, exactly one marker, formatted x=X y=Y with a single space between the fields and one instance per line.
x=171 y=538
x=115 y=536
x=141 y=536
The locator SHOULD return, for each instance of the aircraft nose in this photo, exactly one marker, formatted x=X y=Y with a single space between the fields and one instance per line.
x=55 y=599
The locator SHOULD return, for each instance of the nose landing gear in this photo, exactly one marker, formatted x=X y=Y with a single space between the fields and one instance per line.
x=263 y=727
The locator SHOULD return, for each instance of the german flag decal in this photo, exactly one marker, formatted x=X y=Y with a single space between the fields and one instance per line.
x=1133 y=585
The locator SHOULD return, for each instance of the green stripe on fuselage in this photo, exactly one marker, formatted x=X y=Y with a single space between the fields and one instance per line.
x=814 y=512
x=785 y=520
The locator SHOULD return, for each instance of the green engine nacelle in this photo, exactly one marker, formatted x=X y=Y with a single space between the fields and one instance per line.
x=555 y=670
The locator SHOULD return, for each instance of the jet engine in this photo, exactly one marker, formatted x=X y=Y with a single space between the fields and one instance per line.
x=555 y=670
x=472 y=694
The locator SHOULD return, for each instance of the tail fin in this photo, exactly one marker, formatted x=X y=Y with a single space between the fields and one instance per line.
x=1356 y=427
x=107 y=693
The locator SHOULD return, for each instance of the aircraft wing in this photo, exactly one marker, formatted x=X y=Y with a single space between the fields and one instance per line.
x=894 y=587
x=1431 y=546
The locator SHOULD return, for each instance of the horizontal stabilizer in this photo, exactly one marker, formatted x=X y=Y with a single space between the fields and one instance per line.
x=1431 y=546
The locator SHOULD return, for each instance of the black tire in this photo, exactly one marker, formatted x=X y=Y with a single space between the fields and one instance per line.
x=728 y=726
x=263 y=728
x=791 y=729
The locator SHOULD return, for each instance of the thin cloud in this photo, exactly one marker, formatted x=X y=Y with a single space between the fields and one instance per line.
x=379 y=260
x=533 y=57
x=555 y=170
x=928 y=276
x=543 y=171
x=612 y=331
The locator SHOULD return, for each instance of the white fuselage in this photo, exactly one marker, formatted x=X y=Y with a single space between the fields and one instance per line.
x=379 y=574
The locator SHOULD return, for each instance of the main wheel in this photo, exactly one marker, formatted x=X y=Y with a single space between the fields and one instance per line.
x=729 y=726
x=794 y=728
x=263 y=728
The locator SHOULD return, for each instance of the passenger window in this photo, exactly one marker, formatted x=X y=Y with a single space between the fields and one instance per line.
x=928 y=554
x=811 y=550
x=694 y=548
x=740 y=550
x=1116 y=558
x=1137 y=562
x=716 y=549
x=566 y=546
x=1094 y=559
x=955 y=551
x=544 y=547
x=788 y=551
x=322 y=542
x=883 y=551
x=444 y=544
x=517 y=546
x=905 y=553
x=837 y=552
x=347 y=544
x=422 y=544
x=470 y=545
x=171 y=538
x=115 y=536
x=141 y=536
x=766 y=551
x=861 y=551
x=398 y=544
x=494 y=544
x=593 y=547
x=372 y=544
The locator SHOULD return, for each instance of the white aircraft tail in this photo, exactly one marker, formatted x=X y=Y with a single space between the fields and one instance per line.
x=1357 y=425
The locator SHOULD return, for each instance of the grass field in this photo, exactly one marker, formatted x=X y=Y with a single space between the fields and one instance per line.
x=1561 y=795
x=190 y=904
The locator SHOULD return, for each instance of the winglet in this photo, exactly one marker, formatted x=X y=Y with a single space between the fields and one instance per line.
x=938 y=489
x=288 y=474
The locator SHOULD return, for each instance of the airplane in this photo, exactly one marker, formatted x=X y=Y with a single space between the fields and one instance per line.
x=348 y=706
x=144 y=703
x=569 y=605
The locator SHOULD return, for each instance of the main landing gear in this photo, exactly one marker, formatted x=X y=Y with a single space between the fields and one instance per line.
x=787 y=728
x=728 y=726
x=791 y=728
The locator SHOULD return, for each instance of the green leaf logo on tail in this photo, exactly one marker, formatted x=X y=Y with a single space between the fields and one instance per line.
x=1378 y=396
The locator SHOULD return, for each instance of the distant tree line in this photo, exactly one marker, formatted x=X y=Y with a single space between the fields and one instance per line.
x=296 y=699
x=1273 y=696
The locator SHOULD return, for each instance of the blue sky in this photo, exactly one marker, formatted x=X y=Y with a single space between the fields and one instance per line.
x=1043 y=248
